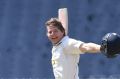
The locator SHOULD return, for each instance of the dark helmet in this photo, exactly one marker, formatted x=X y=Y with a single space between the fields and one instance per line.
x=111 y=44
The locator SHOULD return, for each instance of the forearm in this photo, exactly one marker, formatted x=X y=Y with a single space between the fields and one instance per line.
x=90 y=48
x=93 y=48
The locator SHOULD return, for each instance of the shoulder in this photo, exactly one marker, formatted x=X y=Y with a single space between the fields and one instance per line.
x=72 y=45
x=70 y=42
x=74 y=41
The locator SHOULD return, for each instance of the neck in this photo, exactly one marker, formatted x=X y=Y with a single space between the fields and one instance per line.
x=59 y=42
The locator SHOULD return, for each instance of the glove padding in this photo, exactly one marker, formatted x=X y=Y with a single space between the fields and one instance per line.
x=110 y=45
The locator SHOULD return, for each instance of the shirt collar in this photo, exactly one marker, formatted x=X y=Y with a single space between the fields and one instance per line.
x=63 y=39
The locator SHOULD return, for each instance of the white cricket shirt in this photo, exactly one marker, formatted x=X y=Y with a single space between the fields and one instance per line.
x=65 y=58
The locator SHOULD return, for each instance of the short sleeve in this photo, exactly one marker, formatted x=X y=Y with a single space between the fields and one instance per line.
x=73 y=46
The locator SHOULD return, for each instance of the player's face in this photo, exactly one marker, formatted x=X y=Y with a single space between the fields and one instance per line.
x=54 y=34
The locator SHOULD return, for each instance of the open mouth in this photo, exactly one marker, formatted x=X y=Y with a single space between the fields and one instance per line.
x=54 y=38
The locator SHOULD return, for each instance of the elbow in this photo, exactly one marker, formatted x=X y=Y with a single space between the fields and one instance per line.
x=84 y=48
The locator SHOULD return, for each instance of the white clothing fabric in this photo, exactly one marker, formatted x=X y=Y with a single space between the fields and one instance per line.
x=65 y=58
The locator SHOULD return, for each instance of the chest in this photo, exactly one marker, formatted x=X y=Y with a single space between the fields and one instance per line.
x=61 y=57
x=58 y=54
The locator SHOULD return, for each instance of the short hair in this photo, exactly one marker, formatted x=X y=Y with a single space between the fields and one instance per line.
x=55 y=22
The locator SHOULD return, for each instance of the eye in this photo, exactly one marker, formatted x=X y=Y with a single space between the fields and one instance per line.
x=50 y=32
